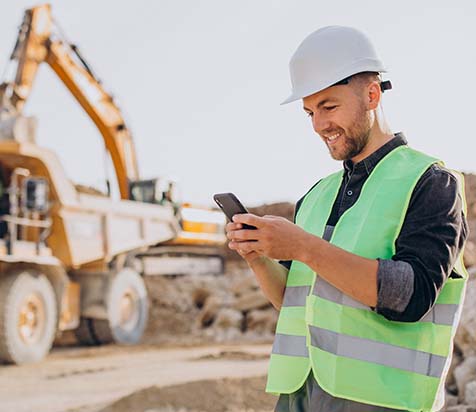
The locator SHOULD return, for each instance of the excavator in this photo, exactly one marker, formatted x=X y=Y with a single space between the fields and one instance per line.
x=73 y=258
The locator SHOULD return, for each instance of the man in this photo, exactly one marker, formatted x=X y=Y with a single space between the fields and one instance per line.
x=370 y=281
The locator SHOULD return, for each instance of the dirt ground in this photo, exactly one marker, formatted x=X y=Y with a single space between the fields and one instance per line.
x=140 y=379
x=234 y=395
x=206 y=348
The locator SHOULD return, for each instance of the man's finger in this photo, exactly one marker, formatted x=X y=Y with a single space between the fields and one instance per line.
x=243 y=247
x=233 y=226
x=244 y=234
x=249 y=219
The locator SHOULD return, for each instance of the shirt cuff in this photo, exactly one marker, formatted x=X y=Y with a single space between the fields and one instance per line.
x=286 y=263
x=395 y=280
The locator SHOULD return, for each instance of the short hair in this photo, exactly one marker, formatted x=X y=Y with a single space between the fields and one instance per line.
x=362 y=77
x=367 y=77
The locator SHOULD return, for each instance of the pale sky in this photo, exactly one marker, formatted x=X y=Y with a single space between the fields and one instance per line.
x=200 y=84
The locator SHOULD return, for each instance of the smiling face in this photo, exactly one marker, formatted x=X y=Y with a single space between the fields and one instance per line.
x=343 y=116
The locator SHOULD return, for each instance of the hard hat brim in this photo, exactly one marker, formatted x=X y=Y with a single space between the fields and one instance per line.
x=365 y=65
x=290 y=99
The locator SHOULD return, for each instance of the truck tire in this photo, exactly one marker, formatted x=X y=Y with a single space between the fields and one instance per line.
x=127 y=309
x=28 y=317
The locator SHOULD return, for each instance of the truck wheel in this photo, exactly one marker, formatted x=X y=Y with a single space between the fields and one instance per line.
x=28 y=317
x=127 y=309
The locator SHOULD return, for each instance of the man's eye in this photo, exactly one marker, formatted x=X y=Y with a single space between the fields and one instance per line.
x=309 y=114
x=329 y=108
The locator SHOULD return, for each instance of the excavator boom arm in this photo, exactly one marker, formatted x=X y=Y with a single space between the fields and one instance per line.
x=35 y=44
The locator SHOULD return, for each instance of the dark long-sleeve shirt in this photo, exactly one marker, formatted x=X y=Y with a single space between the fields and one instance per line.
x=430 y=240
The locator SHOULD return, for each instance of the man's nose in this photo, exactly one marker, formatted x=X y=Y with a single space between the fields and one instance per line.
x=319 y=123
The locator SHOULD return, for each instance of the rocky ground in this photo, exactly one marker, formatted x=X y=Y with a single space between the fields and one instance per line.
x=230 y=395
x=461 y=382
x=204 y=309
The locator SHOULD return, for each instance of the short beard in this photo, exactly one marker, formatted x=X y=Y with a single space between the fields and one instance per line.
x=354 y=145
x=357 y=138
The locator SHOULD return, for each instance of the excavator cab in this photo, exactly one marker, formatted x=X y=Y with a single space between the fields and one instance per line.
x=155 y=191
x=35 y=195
x=199 y=225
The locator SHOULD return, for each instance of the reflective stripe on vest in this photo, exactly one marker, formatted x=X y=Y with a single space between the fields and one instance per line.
x=290 y=345
x=354 y=352
x=367 y=350
x=441 y=313
x=296 y=295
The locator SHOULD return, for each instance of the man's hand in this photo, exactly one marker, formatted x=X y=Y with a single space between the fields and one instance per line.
x=274 y=237
x=250 y=244
x=278 y=238
x=249 y=256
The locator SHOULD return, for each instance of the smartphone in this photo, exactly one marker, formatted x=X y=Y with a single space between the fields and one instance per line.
x=231 y=206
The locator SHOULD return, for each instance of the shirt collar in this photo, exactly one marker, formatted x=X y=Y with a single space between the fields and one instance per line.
x=371 y=161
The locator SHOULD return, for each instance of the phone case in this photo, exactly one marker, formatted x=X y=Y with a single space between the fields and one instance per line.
x=230 y=205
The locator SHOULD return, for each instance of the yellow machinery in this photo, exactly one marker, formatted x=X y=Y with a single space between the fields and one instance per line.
x=72 y=259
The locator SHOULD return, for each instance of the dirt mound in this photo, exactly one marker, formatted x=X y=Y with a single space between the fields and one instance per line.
x=470 y=250
x=192 y=310
x=224 y=395
x=233 y=355
x=470 y=186
x=284 y=209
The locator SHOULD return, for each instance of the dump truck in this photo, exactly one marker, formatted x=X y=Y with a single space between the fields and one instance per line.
x=73 y=258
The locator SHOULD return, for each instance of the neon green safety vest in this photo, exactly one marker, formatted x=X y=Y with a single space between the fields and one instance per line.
x=354 y=352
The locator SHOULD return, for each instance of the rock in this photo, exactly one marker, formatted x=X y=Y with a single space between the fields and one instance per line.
x=252 y=300
x=470 y=393
x=209 y=311
x=470 y=189
x=465 y=373
x=470 y=254
x=450 y=400
x=244 y=285
x=228 y=317
x=200 y=295
x=466 y=334
x=283 y=209
x=455 y=361
x=226 y=335
x=262 y=320
x=458 y=408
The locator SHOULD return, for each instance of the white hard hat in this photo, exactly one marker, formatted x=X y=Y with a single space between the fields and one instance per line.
x=328 y=56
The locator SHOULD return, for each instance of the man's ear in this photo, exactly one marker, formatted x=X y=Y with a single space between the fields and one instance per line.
x=374 y=94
